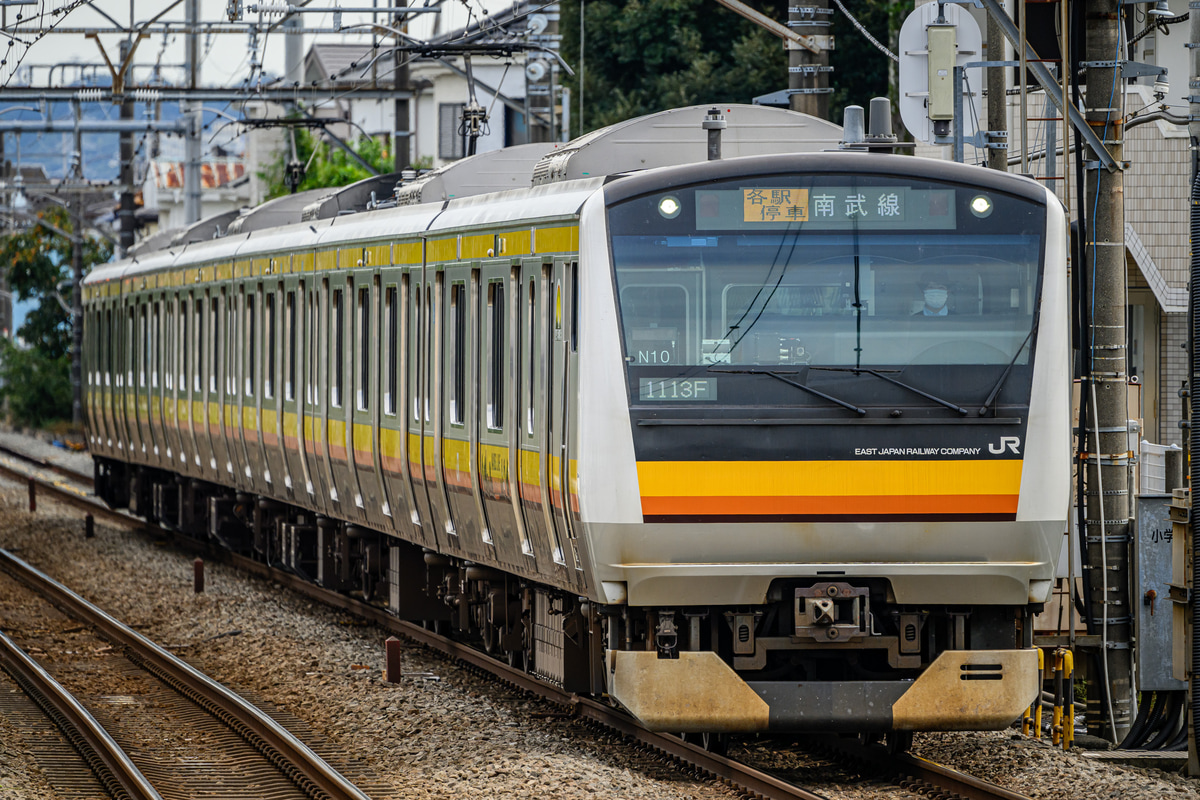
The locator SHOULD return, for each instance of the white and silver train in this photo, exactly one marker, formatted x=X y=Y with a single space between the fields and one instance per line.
x=776 y=442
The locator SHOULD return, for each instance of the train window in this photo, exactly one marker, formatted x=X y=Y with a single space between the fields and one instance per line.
x=531 y=330
x=214 y=348
x=497 y=317
x=155 y=348
x=251 y=344
x=310 y=385
x=362 y=359
x=337 y=346
x=289 y=380
x=184 y=345
x=427 y=378
x=574 y=306
x=418 y=340
x=456 y=351
x=232 y=338
x=168 y=332
x=108 y=348
x=198 y=349
x=269 y=355
x=389 y=350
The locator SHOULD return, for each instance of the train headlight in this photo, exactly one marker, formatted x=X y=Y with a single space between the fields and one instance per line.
x=981 y=206
x=670 y=207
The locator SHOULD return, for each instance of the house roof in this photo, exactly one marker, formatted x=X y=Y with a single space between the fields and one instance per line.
x=340 y=64
x=213 y=174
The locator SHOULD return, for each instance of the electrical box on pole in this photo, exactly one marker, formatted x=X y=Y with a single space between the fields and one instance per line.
x=934 y=39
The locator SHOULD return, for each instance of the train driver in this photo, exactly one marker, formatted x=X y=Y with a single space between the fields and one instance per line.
x=935 y=291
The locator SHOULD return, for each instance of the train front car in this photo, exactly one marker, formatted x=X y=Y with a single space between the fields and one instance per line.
x=844 y=381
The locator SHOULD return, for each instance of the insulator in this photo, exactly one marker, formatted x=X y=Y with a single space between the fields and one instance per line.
x=89 y=95
x=270 y=8
x=147 y=95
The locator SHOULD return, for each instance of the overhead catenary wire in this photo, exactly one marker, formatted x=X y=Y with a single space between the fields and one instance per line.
x=865 y=32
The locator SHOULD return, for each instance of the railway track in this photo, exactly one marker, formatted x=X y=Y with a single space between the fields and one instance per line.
x=282 y=767
x=911 y=775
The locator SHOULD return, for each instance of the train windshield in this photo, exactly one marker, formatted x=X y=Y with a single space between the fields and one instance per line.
x=854 y=271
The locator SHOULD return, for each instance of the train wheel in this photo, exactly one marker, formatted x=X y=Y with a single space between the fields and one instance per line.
x=897 y=742
x=868 y=738
x=715 y=743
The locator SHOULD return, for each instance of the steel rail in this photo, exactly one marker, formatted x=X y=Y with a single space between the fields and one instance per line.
x=943 y=778
x=111 y=765
x=295 y=759
x=42 y=463
x=739 y=776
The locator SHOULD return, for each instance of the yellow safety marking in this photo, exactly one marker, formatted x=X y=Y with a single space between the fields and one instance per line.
x=556 y=240
x=303 y=262
x=827 y=478
x=337 y=432
x=223 y=272
x=249 y=418
x=363 y=438
x=260 y=267
x=214 y=414
x=515 y=243
x=270 y=417
x=529 y=468
x=477 y=246
x=406 y=253
x=439 y=250
x=378 y=255
x=349 y=257
x=327 y=259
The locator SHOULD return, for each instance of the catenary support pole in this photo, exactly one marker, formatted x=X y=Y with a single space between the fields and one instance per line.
x=1110 y=693
x=997 y=100
x=808 y=72
x=191 y=174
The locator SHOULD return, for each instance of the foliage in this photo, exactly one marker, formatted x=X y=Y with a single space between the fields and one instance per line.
x=36 y=385
x=36 y=381
x=643 y=56
x=860 y=71
x=331 y=166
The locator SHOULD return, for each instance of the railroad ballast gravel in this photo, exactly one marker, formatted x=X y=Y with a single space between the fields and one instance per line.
x=442 y=732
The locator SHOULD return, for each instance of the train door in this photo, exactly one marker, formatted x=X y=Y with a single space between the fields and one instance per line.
x=233 y=337
x=494 y=480
x=270 y=408
x=291 y=424
x=104 y=391
x=186 y=456
x=141 y=411
x=559 y=435
x=438 y=296
x=419 y=413
x=198 y=379
x=392 y=442
x=216 y=370
x=154 y=390
x=170 y=439
x=530 y=406
x=316 y=455
x=459 y=437
x=339 y=409
x=363 y=362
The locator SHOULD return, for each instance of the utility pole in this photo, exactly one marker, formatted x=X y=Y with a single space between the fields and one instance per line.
x=1107 y=445
x=808 y=72
x=77 y=313
x=1193 y=610
x=125 y=214
x=997 y=100
x=401 y=145
x=193 y=114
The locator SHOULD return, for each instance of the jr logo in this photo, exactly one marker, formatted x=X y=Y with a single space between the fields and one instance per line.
x=1012 y=443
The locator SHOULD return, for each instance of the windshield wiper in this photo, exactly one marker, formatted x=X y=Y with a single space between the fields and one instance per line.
x=778 y=375
x=860 y=370
x=987 y=404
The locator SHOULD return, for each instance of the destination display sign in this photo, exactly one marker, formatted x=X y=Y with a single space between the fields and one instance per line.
x=825 y=207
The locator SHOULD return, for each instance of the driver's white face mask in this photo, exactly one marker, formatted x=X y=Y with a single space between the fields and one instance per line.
x=935 y=298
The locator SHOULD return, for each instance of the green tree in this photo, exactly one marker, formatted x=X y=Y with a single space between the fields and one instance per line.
x=330 y=166
x=644 y=56
x=36 y=381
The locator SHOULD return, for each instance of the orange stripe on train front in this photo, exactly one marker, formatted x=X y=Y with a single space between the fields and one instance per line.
x=839 y=505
